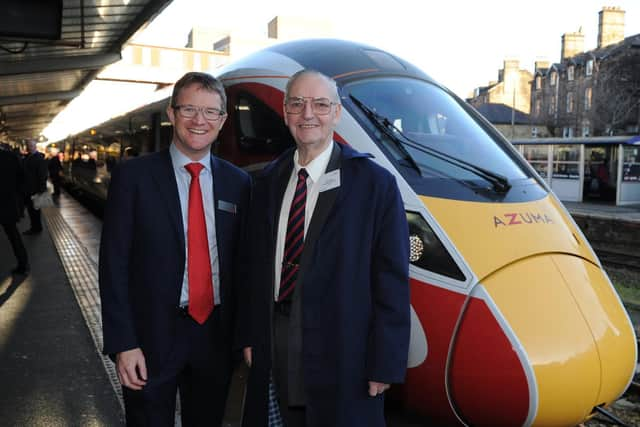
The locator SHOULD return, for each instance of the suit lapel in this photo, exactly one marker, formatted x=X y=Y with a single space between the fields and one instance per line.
x=165 y=179
x=282 y=175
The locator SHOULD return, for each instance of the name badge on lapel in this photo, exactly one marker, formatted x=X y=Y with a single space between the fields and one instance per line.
x=227 y=206
x=329 y=181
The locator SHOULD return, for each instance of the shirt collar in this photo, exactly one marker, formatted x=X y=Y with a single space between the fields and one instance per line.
x=316 y=167
x=179 y=160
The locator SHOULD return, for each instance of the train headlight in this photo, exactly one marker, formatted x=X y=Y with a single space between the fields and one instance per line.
x=427 y=251
x=416 y=248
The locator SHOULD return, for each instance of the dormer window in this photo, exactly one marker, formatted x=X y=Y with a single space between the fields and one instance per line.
x=554 y=78
x=538 y=82
x=570 y=71
x=588 y=70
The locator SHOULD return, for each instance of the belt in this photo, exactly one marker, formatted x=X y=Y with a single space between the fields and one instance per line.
x=283 y=308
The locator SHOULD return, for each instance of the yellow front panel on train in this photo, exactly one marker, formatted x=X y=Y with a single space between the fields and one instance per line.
x=550 y=326
x=609 y=323
x=491 y=235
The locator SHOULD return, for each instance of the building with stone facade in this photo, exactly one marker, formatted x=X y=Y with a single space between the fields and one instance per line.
x=513 y=88
x=590 y=93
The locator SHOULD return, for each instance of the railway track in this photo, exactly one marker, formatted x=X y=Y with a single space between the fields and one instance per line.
x=618 y=259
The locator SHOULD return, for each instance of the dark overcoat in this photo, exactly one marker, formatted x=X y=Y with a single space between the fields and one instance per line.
x=353 y=288
x=35 y=173
x=11 y=183
x=142 y=254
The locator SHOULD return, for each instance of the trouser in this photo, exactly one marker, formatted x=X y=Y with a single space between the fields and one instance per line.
x=15 y=240
x=294 y=416
x=56 y=181
x=34 y=215
x=199 y=367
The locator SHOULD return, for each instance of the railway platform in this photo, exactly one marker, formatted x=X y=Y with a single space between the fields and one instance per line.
x=51 y=369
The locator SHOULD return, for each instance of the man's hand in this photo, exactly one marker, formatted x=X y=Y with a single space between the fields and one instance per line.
x=248 y=356
x=132 y=369
x=376 y=388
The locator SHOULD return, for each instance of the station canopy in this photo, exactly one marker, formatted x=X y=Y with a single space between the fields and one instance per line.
x=51 y=49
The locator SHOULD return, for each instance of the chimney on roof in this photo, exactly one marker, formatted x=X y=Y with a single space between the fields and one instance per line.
x=541 y=65
x=610 y=26
x=572 y=44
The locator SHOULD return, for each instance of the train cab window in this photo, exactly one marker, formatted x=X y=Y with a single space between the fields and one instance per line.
x=432 y=137
x=260 y=130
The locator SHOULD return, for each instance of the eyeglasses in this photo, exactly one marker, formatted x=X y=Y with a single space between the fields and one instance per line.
x=190 y=111
x=320 y=106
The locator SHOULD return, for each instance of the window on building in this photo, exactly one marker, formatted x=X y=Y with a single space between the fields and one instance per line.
x=570 y=72
x=588 y=70
x=534 y=132
x=538 y=107
x=554 y=78
x=586 y=130
x=587 y=99
x=552 y=105
x=570 y=100
x=567 y=132
x=538 y=82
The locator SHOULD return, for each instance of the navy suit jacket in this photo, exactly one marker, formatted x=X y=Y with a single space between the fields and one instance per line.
x=142 y=253
x=353 y=290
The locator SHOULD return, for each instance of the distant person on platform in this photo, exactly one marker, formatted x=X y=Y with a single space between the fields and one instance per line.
x=172 y=224
x=35 y=182
x=11 y=193
x=326 y=311
x=55 y=173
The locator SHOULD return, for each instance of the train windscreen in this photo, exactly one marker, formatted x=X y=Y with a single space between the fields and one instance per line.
x=437 y=145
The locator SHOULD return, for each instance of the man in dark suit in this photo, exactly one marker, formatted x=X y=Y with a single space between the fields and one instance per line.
x=167 y=266
x=35 y=182
x=326 y=312
x=55 y=172
x=11 y=180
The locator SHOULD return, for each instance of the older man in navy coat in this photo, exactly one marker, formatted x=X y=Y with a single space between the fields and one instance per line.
x=325 y=323
x=167 y=266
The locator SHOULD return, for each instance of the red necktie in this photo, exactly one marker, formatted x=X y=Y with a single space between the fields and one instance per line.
x=294 y=242
x=198 y=260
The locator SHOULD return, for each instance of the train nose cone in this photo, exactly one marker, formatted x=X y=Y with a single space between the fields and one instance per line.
x=561 y=344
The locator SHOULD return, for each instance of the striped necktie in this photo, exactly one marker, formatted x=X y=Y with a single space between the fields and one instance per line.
x=294 y=241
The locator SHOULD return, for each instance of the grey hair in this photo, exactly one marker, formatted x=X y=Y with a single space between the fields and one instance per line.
x=333 y=86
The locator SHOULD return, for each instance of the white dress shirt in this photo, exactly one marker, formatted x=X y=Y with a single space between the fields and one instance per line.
x=183 y=178
x=316 y=168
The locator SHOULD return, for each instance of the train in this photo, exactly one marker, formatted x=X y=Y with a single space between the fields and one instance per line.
x=514 y=321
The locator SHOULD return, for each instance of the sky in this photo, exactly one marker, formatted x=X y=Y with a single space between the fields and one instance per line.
x=460 y=43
